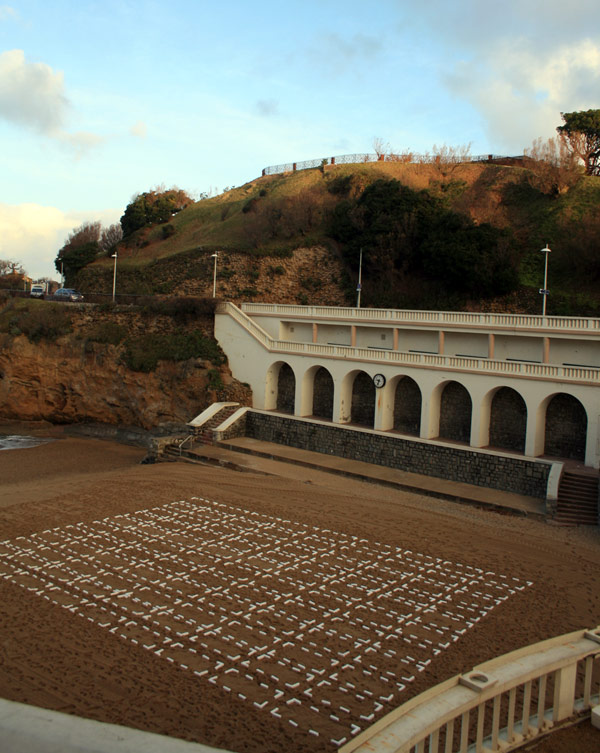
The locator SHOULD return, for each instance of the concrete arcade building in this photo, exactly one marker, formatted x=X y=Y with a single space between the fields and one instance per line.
x=483 y=393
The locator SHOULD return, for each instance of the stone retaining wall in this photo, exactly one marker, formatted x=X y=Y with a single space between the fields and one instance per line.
x=521 y=476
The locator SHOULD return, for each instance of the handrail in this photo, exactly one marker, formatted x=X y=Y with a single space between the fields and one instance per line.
x=527 y=692
x=576 y=324
x=517 y=369
x=182 y=442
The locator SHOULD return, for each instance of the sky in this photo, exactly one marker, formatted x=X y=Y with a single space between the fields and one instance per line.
x=102 y=100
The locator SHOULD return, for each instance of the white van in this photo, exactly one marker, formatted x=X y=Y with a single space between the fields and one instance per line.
x=38 y=290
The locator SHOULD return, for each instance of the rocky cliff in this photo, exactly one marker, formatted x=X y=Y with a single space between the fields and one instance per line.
x=77 y=380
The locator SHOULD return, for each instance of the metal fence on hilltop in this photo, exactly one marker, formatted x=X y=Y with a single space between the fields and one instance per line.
x=406 y=157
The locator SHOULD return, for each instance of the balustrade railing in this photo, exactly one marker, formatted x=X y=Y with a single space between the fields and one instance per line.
x=457 y=363
x=499 y=706
x=441 y=318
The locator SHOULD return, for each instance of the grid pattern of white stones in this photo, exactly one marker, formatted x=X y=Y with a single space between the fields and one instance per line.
x=318 y=628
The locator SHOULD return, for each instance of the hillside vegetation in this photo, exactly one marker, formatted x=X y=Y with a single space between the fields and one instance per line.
x=433 y=236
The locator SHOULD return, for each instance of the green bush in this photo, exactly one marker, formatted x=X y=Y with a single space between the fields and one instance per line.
x=47 y=322
x=167 y=231
x=249 y=205
x=182 y=308
x=143 y=353
x=109 y=333
x=214 y=380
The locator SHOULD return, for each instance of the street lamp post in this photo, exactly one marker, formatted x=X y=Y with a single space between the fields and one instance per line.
x=114 y=256
x=215 y=256
x=359 y=286
x=544 y=291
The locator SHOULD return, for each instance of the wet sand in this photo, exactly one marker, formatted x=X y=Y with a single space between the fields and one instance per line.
x=246 y=532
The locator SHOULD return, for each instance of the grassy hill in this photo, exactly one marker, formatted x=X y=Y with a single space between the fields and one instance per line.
x=278 y=241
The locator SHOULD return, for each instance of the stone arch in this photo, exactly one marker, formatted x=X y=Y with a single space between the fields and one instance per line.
x=286 y=389
x=456 y=408
x=273 y=399
x=565 y=427
x=508 y=420
x=407 y=406
x=362 y=409
x=323 y=392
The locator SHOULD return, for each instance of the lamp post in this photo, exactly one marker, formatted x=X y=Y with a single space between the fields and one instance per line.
x=215 y=256
x=114 y=256
x=359 y=286
x=544 y=291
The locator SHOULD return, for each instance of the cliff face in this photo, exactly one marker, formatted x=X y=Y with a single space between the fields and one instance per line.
x=72 y=381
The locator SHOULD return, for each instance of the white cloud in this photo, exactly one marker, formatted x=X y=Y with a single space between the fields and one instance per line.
x=33 y=95
x=6 y=12
x=521 y=91
x=32 y=234
x=139 y=130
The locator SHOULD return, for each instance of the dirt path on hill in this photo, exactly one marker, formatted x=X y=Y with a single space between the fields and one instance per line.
x=259 y=613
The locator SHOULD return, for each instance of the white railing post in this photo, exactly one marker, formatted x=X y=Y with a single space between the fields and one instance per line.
x=564 y=692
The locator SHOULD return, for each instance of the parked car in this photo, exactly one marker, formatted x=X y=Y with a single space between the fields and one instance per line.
x=38 y=290
x=67 y=294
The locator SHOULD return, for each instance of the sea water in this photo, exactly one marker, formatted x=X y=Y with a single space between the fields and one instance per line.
x=19 y=442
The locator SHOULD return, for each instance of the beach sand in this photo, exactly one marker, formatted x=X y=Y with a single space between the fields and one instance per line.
x=95 y=665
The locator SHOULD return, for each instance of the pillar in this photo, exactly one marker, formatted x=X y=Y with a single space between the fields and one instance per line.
x=546 y=356
x=491 y=346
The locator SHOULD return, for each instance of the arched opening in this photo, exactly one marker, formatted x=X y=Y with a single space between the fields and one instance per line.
x=508 y=420
x=455 y=413
x=286 y=389
x=363 y=400
x=565 y=428
x=407 y=407
x=323 y=394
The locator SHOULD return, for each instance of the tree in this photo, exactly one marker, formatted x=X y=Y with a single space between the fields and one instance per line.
x=11 y=267
x=581 y=132
x=110 y=236
x=81 y=247
x=553 y=168
x=156 y=206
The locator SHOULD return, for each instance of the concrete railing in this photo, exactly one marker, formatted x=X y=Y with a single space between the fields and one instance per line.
x=578 y=374
x=499 y=706
x=438 y=318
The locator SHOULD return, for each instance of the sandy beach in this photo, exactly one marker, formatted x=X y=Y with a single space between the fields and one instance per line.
x=208 y=604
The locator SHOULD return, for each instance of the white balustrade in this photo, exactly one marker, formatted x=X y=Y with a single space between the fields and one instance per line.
x=432 y=361
x=498 y=706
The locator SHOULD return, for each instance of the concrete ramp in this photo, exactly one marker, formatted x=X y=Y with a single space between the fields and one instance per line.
x=29 y=729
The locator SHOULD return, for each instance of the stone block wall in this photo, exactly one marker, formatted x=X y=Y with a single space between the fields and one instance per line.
x=521 y=476
x=237 y=429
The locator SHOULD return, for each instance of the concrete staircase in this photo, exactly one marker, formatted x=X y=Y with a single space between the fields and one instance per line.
x=577 y=502
x=201 y=430
x=204 y=434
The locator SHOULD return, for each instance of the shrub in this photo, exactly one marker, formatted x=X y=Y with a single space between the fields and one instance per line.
x=143 y=353
x=41 y=323
x=249 y=205
x=109 y=333
x=183 y=308
x=168 y=231
x=214 y=380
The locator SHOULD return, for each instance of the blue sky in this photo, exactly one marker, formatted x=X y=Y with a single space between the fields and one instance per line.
x=101 y=100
